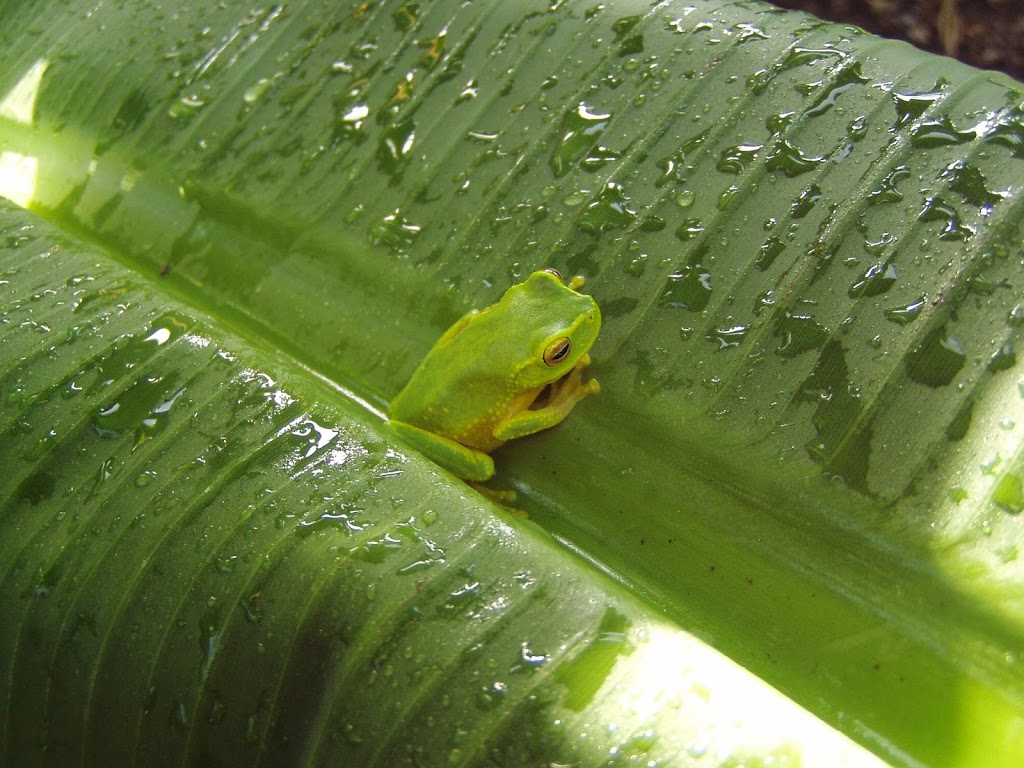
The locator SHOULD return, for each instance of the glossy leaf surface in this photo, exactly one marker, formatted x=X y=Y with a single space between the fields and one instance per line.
x=804 y=240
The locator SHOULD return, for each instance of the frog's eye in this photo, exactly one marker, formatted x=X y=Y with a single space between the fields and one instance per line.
x=557 y=351
x=554 y=272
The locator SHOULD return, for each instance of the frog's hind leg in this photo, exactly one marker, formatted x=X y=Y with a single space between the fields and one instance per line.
x=467 y=463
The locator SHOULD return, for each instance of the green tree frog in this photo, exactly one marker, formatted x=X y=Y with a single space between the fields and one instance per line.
x=500 y=373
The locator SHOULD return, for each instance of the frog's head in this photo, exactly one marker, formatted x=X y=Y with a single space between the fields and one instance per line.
x=562 y=326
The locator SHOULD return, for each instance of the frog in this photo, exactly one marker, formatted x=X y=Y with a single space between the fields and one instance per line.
x=500 y=373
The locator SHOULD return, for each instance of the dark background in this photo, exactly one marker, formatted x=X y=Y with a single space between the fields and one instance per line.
x=985 y=33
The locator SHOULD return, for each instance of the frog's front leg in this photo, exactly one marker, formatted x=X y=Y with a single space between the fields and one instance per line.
x=563 y=398
x=468 y=463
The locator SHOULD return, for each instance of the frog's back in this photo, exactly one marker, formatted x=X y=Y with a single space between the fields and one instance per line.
x=462 y=380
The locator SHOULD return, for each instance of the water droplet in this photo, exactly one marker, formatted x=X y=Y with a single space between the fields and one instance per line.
x=585 y=673
x=858 y=128
x=315 y=436
x=651 y=224
x=966 y=180
x=849 y=77
x=790 y=160
x=685 y=198
x=581 y=128
x=637 y=266
x=575 y=198
x=689 y=229
x=800 y=333
x=145 y=478
x=529 y=657
x=688 y=288
x=878 y=279
x=887 y=191
x=937 y=210
x=628 y=43
x=492 y=695
x=736 y=158
x=728 y=337
x=984 y=286
x=939 y=133
x=256 y=90
x=807 y=200
x=1003 y=359
x=1005 y=127
x=395 y=147
x=841 y=444
x=760 y=80
x=906 y=314
x=675 y=166
x=1009 y=493
x=609 y=210
x=394 y=232
x=727 y=196
x=937 y=360
x=768 y=252
x=186 y=106
x=910 y=106
x=598 y=157
x=989 y=466
x=748 y=32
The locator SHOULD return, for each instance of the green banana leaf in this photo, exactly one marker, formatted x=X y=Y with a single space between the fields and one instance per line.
x=805 y=242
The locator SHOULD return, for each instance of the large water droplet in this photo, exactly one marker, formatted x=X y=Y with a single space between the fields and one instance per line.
x=768 y=252
x=736 y=158
x=939 y=133
x=1006 y=127
x=808 y=198
x=629 y=42
x=790 y=160
x=967 y=180
x=800 y=333
x=1009 y=493
x=688 y=288
x=1003 y=359
x=760 y=80
x=689 y=229
x=675 y=166
x=842 y=443
x=906 y=314
x=910 y=106
x=581 y=128
x=887 y=191
x=729 y=336
x=609 y=210
x=937 y=210
x=849 y=77
x=937 y=360
x=876 y=280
